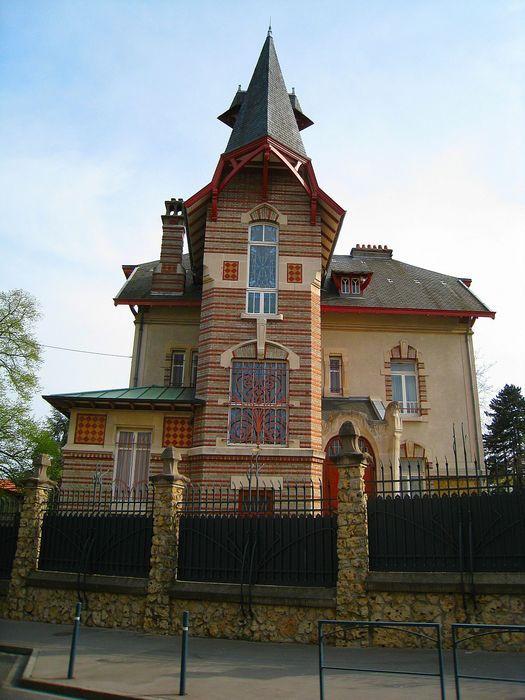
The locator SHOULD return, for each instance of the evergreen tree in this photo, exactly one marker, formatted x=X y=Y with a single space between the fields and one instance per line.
x=505 y=437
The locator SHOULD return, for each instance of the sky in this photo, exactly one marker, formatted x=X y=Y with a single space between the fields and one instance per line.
x=108 y=108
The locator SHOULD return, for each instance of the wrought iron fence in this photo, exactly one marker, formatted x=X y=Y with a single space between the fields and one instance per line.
x=445 y=518
x=9 y=523
x=98 y=531
x=258 y=535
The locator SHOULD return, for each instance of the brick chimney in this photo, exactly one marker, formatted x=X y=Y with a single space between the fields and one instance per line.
x=170 y=276
x=371 y=251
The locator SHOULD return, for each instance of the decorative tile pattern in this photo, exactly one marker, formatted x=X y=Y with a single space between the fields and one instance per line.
x=230 y=270
x=90 y=429
x=295 y=273
x=178 y=432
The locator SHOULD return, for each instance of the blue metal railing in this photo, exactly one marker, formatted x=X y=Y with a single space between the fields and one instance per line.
x=483 y=631
x=410 y=628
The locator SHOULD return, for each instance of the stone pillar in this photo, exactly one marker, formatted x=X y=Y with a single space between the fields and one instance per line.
x=36 y=493
x=168 y=493
x=352 y=531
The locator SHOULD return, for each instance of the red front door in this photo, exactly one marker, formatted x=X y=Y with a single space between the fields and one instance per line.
x=331 y=473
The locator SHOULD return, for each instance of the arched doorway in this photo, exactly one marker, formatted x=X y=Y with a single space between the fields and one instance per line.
x=331 y=473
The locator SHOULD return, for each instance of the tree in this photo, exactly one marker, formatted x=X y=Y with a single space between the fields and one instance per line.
x=53 y=437
x=19 y=349
x=505 y=437
x=21 y=436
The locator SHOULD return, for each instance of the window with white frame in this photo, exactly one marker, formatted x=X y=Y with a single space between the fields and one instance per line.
x=345 y=285
x=404 y=385
x=133 y=451
x=335 y=371
x=356 y=285
x=261 y=295
x=258 y=402
x=177 y=368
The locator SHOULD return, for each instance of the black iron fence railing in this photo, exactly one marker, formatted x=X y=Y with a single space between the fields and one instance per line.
x=258 y=535
x=445 y=518
x=9 y=523
x=98 y=531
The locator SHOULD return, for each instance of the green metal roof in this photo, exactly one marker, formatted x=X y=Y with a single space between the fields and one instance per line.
x=144 y=397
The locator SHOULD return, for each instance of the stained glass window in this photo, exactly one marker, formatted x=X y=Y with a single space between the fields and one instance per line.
x=261 y=297
x=259 y=395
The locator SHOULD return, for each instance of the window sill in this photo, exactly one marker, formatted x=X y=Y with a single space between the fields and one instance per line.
x=268 y=317
x=413 y=418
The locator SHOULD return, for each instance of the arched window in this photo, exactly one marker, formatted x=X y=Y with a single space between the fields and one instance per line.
x=406 y=380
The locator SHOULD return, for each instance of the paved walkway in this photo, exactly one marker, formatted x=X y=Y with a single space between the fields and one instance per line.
x=137 y=665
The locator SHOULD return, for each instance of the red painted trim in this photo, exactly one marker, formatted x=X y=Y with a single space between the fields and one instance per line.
x=283 y=159
x=313 y=209
x=265 y=173
x=405 y=312
x=244 y=161
x=157 y=302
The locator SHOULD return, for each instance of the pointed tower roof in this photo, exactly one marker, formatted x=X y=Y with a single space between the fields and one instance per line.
x=266 y=108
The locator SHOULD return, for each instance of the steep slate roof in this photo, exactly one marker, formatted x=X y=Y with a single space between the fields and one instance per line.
x=397 y=285
x=137 y=288
x=266 y=108
x=140 y=397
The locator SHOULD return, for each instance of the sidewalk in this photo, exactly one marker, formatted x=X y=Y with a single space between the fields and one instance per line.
x=137 y=665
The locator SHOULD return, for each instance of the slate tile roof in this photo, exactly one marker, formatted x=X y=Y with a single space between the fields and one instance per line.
x=266 y=108
x=137 y=287
x=394 y=285
x=398 y=285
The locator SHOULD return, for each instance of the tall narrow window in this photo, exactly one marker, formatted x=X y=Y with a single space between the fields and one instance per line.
x=194 y=365
x=412 y=476
x=345 y=285
x=258 y=403
x=132 y=459
x=177 y=368
x=336 y=385
x=404 y=386
x=261 y=295
x=356 y=286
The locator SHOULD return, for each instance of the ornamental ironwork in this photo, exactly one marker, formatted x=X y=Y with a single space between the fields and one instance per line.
x=259 y=395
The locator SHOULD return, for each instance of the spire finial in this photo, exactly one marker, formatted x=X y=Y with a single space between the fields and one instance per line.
x=270 y=28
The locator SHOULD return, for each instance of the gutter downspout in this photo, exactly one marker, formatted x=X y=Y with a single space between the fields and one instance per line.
x=480 y=457
x=139 y=350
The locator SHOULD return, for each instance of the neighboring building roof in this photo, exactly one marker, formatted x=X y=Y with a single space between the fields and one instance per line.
x=373 y=409
x=397 y=287
x=8 y=486
x=137 y=287
x=266 y=108
x=143 y=397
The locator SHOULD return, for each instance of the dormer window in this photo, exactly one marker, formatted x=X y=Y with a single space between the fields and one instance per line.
x=351 y=286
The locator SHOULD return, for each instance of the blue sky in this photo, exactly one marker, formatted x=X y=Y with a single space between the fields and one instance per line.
x=109 y=108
